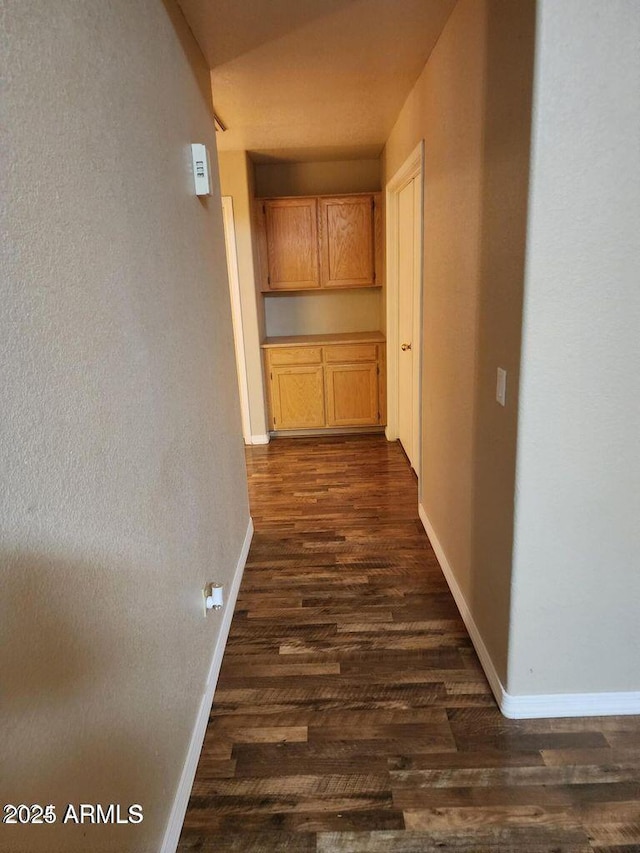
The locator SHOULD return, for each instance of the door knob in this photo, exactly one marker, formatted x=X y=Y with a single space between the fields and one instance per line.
x=405 y=347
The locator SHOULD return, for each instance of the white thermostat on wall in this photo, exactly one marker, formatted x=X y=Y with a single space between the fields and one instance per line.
x=201 y=168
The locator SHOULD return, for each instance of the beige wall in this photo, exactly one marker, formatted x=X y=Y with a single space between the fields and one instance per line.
x=320 y=313
x=317 y=178
x=122 y=479
x=236 y=180
x=576 y=619
x=471 y=105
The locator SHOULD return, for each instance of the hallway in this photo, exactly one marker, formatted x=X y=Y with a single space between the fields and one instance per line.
x=351 y=713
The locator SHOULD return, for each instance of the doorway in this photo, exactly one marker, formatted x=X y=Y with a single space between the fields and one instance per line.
x=404 y=197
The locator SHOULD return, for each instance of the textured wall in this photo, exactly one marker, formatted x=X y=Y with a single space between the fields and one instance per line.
x=471 y=105
x=122 y=483
x=576 y=624
x=317 y=178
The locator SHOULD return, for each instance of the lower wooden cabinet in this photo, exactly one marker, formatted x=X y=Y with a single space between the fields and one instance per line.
x=327 y=385
x=297 y=395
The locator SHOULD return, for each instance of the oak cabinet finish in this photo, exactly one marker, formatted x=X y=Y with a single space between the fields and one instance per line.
x=350 y=352
x=347 y=254
x=296 y=355
x=326 y=242
x=292 y=243
x=297 y=395
x=352 y=394
x=326 y=385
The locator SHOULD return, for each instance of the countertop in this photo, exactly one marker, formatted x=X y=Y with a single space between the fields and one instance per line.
x=335 y=338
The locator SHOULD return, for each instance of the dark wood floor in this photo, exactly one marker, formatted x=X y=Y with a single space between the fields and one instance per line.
x=351 y=713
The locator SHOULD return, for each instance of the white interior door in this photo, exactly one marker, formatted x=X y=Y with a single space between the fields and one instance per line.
x=408 y=270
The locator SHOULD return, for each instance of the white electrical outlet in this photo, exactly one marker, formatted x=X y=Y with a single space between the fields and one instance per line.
x=501 y=386
x=212 y=597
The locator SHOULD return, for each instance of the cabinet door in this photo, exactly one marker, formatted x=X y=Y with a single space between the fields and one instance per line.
x=352 y=394
x=297 y=397
x=347 y=249
x=292 y=243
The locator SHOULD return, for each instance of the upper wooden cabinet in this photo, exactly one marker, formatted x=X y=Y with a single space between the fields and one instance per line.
x=319 y=242
x=291 y=233
x=347 y=254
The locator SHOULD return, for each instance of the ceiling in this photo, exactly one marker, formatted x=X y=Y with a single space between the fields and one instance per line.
x=313 y=79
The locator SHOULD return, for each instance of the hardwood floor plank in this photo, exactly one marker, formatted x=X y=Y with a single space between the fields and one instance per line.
x=319 y=717
x=371 y=644
x=302 y=787
x=605 y=756
x=265 y=734
x=209 y=821
x=264 y=804
x=615 y=848
x=395 y=696
x=315 y=759
x=215 y=769
x=511 y=776
x=431 y=736
x=319 y=615
x=606 y=822
x=614 y=834
x=248 y=842
x=282 y=671
x=512 y=739
x=525 y=795
x=482 y=817
x=445 y=760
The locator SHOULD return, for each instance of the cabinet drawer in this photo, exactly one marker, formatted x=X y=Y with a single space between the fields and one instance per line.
x=294 y=355
x=350 y=352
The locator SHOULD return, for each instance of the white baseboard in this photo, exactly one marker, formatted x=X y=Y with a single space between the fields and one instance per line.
x=467 y=618
x=181 y=800
x=570 y=705
x=260 y=439
x=527 y=706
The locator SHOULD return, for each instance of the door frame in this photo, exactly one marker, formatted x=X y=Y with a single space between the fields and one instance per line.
x=412 y=167
x=236 y=313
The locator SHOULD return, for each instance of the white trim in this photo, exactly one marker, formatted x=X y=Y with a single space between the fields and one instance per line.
x=236 y=314
x=181 y=799
x=570 y=705
x=413 y=167
x=533 y=706
x=260 y=439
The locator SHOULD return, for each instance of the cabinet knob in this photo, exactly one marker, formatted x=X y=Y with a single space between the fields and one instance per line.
x=405 y=347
